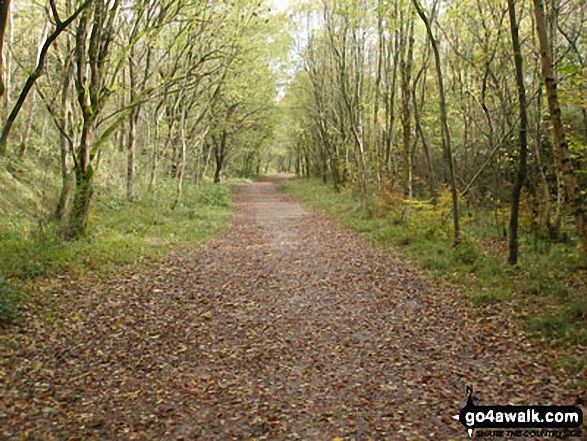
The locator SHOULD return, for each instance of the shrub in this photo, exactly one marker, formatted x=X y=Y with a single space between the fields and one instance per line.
x=467 y=252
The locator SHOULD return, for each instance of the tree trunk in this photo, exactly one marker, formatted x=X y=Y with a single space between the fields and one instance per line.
x=218 y=170
x=181 y=161
x=406 y=80
x=4 y=13
x=131 y=155
x=122 y=130
x=32 y=100
x=6 y=67
x=154 y=160
x=521 y=176
x=380 y=55
x=36 y=74
x=390 y=109
x=91 y=53
x=546 y=209
x=84 y=179
x=78 y=220
x=576 y=199
x=219 y=155
x=63 y=204
x=420 y=133
x=24 y=140
x=135 y=87
x=444 y=121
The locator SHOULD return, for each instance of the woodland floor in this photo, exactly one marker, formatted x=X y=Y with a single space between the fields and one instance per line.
x=288 y=327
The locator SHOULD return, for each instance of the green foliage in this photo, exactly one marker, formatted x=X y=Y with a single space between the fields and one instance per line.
x=467 y=252
x=545 y=284
x=563 y=327
x=10 y=300
x=489 y=296
x=215 y=196
x=120 y=232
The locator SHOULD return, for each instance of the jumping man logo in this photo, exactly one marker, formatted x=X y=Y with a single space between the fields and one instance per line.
x=547 y=418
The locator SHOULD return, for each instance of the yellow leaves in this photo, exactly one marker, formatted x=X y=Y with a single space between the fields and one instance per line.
x=206 y=315
x=181 y=348
x=75 y=317
x=131 y=395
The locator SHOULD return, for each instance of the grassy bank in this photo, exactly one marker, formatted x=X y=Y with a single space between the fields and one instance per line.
x=119 y=233
x=547 y=290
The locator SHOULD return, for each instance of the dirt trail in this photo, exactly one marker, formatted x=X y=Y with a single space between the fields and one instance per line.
x=289 y=327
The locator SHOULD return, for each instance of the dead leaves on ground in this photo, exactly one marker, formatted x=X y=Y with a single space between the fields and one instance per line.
x=288 y=328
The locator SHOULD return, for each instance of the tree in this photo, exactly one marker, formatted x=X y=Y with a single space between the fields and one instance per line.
x=94 y=36
x=4 y=13
x=60 y=26
x=406 y=61
x=446 y=143
x=521 y=175
x=575 y=196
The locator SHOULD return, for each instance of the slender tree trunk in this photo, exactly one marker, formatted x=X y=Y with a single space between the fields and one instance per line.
x=131 y=156
x=444 y=121
x=182 y=161
x=122 y=130
x=406 y=83
x=154 y=157
x=375 y=131
x=32 y=100
x=220 y=156
x=420 y=132
x=135 y=87
x=521 y=176
x=24 y=140
x=545 y=217
x=218 y=170
x=36 y=74
x=198 y=165
x=63 y=204
x=575 y=197
x=4 y=17
x=207 y=162
x=6 y=67
x=390 y=109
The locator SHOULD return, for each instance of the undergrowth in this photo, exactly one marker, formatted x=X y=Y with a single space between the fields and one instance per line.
x=119 y=232
x=547 y=289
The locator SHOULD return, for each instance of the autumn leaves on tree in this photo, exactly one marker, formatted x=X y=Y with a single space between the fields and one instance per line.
x=398 y=99
x=411 y=109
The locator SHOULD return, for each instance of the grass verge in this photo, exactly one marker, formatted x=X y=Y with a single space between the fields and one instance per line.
x=119 y=233
x=547 y=290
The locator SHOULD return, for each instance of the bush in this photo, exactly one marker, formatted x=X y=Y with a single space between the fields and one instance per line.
x=467 y=252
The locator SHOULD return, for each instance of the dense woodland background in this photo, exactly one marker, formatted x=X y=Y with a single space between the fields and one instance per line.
x=454 y=131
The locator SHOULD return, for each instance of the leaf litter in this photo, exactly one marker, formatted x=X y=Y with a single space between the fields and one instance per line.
x=288 y=327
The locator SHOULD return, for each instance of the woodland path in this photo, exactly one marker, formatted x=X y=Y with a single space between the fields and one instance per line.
x=288 y=327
